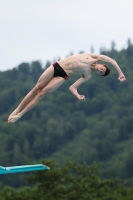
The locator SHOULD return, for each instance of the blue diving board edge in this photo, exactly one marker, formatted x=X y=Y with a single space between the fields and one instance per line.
x=23 y=168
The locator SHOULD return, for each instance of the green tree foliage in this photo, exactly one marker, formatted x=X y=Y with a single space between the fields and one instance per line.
x=70 y=182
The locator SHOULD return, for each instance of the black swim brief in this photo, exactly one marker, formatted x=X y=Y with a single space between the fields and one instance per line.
x=58 y=71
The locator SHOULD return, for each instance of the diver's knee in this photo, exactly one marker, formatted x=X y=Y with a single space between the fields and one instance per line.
x=37 y=88
x=43 y=92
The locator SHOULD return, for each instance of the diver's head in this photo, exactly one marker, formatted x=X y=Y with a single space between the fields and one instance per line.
x=101 y=69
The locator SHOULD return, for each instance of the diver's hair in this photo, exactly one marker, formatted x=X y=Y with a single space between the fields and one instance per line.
x=107 y=72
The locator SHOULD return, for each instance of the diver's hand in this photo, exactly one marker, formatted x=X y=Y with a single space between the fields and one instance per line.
x=121 y=77
x=81 y=97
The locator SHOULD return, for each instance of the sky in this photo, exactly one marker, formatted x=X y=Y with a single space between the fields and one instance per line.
x=46 y=30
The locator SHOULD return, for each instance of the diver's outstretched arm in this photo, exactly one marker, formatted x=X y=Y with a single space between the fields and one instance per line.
x=111 y=61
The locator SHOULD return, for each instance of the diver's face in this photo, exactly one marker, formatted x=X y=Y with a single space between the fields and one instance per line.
x=100 y=69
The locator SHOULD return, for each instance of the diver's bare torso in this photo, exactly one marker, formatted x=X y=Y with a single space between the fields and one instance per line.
x=78 y=64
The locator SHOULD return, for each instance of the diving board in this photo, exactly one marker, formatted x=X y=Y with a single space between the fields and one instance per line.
x=23 y=168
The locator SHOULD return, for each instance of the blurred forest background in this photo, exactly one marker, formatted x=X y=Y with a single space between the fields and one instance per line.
x=60 y=127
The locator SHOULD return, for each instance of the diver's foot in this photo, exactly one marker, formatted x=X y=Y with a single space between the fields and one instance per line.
x=12 y=119
x=15 y=112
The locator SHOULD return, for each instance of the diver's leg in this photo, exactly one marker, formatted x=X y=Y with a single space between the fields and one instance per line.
x=42 y=81
x=52 y=85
